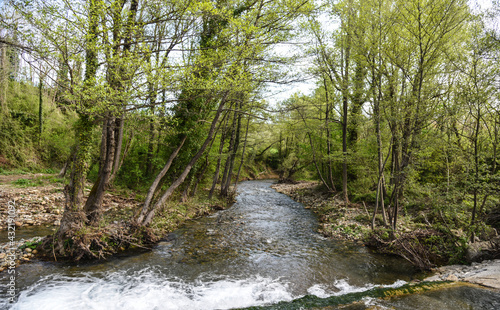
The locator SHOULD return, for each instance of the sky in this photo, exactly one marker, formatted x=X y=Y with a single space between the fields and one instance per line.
x=279 y=93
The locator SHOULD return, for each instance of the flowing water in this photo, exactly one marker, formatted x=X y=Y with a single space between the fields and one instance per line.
x=262 y=250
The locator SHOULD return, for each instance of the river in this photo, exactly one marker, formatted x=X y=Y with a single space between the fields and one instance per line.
x=262 y=250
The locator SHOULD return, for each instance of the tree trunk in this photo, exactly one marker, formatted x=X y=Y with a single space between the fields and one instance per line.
x=476 y=171
x=316 y=165
x=345 y=104
x=159 y=177
x=200 y=177
x=149 y=158
x=242 y=156
x=73 y=217
x=159 y=204
x=328 y=136
x=93 y=206
x=232 y=156
x=119 y=158
x=219 y=160
x=229 y=161
x=40 y=111
x=4 y=80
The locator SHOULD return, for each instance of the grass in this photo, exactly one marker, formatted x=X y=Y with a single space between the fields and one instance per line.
x=38 y=181
x=23 y=183
x=26 y=171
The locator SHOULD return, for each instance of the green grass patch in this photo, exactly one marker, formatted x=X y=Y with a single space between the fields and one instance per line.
x=32 y=245
x=23 y=183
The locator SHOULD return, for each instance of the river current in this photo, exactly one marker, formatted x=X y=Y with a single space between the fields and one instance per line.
x=262 y=250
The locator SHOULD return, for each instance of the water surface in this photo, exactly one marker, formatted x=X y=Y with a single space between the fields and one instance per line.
x=262 y=250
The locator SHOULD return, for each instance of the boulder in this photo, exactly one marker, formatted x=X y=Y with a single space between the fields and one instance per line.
x=479 y=251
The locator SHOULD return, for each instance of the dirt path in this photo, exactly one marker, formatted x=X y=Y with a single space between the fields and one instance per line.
x=8 y=179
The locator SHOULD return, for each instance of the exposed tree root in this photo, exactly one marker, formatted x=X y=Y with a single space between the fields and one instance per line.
x=98 y=242
x=423 y=248
x=287 y=181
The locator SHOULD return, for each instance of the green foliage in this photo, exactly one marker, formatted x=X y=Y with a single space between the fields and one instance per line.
x=31 y=244
x=20 y=143
x=27 y=183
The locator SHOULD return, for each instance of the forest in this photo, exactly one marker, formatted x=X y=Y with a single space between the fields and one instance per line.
x=176 y=102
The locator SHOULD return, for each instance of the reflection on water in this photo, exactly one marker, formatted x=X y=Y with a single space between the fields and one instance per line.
x=27 y=232
x=262 y=250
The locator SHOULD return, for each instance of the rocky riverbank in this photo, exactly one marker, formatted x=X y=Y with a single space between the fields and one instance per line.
x=12 y=254
x=486 y=273
x=336 y=220
x=33 y=206
x=349 y=223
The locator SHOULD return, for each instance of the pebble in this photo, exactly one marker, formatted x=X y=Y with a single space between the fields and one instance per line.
x=486 y=273
x=19 y=256
x=452 y=277
x=33 y=207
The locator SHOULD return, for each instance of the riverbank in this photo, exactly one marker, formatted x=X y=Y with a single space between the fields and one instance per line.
x=352 y=222
x=336 y=220
x=38 y=201
x=486 y=273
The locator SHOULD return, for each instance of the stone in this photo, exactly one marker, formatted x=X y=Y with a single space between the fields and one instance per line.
x=480 y=251
x=2 y=255
x=34 y=251
x=28 y=250
x=18 y=224
x=451 y=277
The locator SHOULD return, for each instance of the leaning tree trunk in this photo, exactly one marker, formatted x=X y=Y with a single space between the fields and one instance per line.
x=147 y=215
x=156 y=182
x=232 y=157
x=219 y=160
x=242 y=156
x=200 y=177
x=226 y=174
